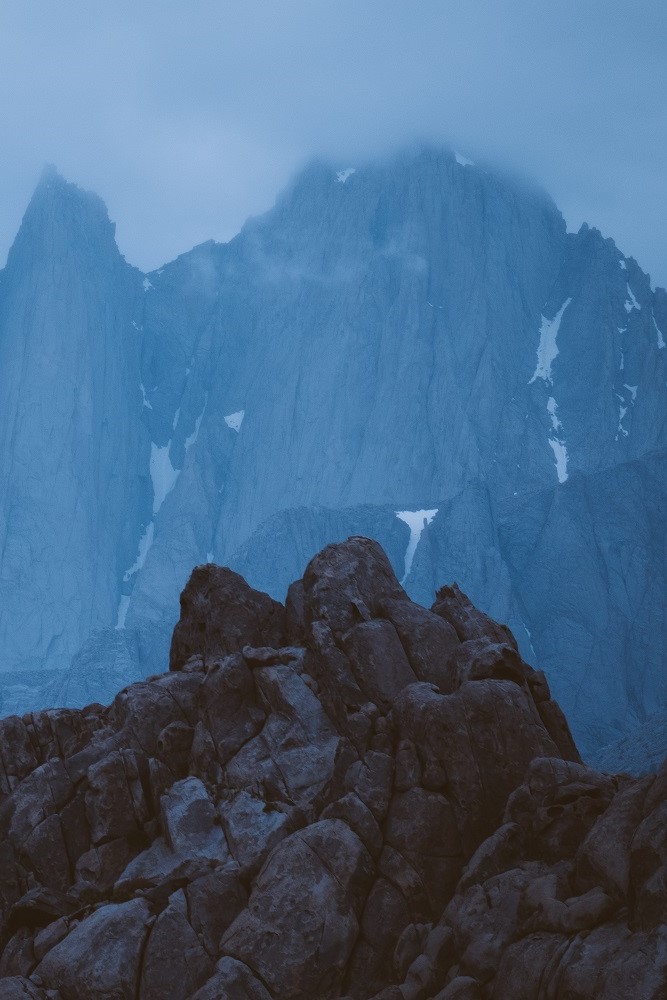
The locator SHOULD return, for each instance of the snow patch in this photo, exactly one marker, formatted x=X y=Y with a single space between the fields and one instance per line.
x=552 y=408
x=623 y=409
x=530 y=638
x=234 y=420
x=122 y=611
x=463 y=161
x=661 y=339
x=621 y=263
x=175 y=420
x=146 y=284
x=557 y=443
x=163 y=475
x=547 y=349
x=343 y=175
x=163 y=478
x=190 y=440
x=144 y=397
x=209 y=557
x=416 y=521
x=145 y=543
x=560 y=454
x=631 y=302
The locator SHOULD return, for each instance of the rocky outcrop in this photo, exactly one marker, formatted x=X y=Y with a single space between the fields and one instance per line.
x=351 y=797
x=73 y=446
x=426 y=334
x=220 y=614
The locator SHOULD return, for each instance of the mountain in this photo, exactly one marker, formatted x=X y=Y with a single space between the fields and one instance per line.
x=345 y=797
x=73 y=446
x=420 y=336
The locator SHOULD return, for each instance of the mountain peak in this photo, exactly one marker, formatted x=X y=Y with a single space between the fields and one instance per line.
x=62 y=217
x=50 y=174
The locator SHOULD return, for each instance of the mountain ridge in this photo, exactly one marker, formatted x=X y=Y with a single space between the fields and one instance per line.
x=386 y=340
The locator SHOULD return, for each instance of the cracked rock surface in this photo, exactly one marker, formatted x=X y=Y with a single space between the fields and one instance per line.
x=347 y=797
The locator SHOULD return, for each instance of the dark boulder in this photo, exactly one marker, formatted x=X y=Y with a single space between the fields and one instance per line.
x=220 y=614
x=467 y=620
x=347 y=583
x=351 y=798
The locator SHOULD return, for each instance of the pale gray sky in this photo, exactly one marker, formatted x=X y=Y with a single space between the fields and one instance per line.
x=187 y=116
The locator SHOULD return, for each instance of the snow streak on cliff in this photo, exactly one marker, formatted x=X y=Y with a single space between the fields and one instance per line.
x=415 y=336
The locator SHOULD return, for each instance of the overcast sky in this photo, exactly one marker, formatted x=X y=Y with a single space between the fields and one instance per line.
x=189 y=115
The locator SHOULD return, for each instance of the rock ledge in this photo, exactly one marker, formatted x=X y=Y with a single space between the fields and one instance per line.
x=347 y=797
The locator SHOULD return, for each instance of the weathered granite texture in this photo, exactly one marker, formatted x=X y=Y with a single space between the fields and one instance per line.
x=346 y=797
x=423 y=335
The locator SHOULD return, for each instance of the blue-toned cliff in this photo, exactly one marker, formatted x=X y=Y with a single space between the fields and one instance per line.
x=414 y=336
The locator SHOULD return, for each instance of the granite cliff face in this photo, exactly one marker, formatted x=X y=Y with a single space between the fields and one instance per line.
x=346 y=796
x=416 y=336
x=73 y=448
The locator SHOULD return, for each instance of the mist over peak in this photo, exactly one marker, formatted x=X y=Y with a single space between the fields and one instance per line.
x=187 y=126
x=60 y=218
x=411 y=334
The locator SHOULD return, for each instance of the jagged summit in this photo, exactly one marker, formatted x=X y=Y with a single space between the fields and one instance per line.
x=62 y=218
x=414 y=335
x=347 y=797
x=50 y=175
x=71 y=444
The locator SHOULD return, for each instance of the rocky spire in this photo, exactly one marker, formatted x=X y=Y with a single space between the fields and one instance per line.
x=72 y=445
x=351 y=797
x=63 y=219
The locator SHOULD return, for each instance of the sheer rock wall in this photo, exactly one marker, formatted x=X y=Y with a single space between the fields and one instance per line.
x=348 y=796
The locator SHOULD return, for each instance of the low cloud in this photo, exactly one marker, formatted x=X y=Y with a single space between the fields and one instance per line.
x=187 y=118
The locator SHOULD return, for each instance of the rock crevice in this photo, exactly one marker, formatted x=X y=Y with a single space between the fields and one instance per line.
x=350 y=798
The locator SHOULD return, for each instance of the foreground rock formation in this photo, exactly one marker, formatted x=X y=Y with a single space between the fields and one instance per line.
x=422 y=334
x=346 y=796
